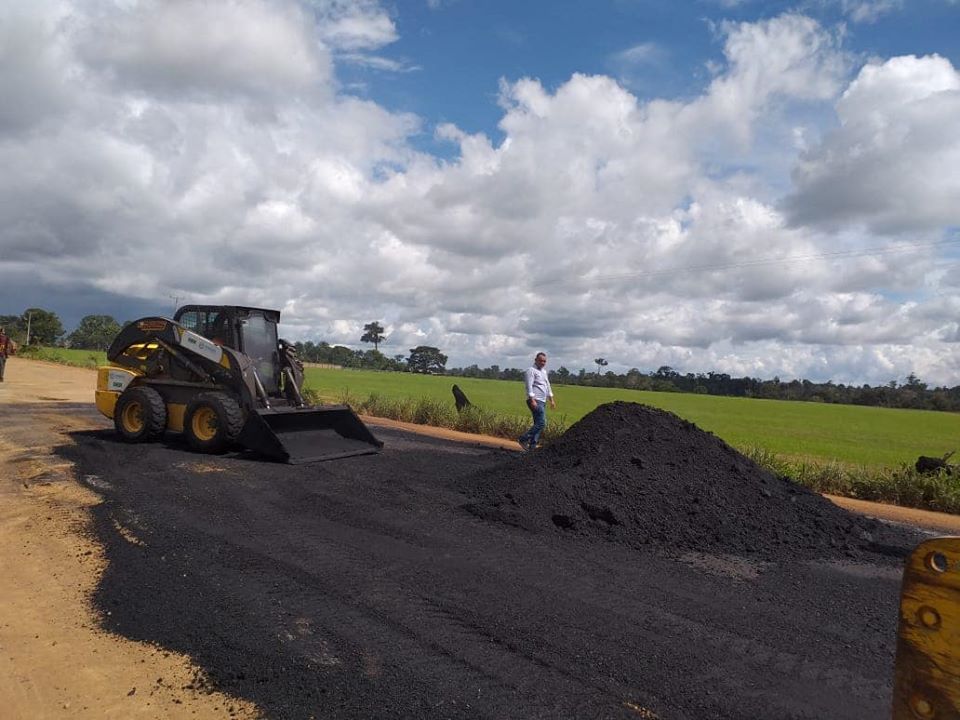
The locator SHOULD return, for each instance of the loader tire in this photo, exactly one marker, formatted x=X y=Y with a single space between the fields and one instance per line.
x=212 y=422
x=140 y=414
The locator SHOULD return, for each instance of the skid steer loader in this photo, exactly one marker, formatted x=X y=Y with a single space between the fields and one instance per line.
x=221 y=376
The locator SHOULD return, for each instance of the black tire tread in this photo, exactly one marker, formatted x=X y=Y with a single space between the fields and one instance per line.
x=155 y=413
x=229 y=415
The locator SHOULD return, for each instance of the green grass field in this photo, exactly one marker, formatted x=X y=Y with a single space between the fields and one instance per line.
x=814 y=432
x=80 y=358
x=808 y=432
x=860 y=452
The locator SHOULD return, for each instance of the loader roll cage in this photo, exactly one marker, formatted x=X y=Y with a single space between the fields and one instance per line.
x=251 y=331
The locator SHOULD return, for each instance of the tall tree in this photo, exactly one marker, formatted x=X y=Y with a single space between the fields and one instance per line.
x=425 y=359
x=45 y=327
x=601 y=363
x=373 y=333
x=95 y=332
x=343 y=356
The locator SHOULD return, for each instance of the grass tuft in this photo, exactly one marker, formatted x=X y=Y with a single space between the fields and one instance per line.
x=439 y=413
x=64 y=356
x=901 y=485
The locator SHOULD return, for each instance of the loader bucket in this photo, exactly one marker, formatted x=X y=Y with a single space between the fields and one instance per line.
x=303 y=435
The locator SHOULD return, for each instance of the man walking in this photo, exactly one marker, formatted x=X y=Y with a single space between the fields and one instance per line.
x=6 y=349
x=538 y=395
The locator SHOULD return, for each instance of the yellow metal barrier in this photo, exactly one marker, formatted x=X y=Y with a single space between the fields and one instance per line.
x=927 y=682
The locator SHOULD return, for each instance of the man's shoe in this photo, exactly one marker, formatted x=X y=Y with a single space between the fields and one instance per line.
x=523 y=445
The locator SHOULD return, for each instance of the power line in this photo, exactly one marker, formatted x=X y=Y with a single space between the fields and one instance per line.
x=840 y=254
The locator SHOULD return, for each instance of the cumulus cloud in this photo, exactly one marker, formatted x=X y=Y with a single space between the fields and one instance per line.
x=790 y=58
x=892 y=163
x=192 y=46
x=144 y=159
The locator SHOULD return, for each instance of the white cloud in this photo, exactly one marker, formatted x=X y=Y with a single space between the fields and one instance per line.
x=635 y=65
x=893 y=164
x=729 y=3
x=146 y=163
x=192 y=46
x=643 y=53
x=354 y=24
x=789 y=58
x=377 y=62
x=869 y=11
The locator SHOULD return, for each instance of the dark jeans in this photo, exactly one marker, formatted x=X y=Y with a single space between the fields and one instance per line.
x=3 y=364
x=532 y=436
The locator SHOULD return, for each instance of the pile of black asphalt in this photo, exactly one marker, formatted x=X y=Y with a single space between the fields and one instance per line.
x=363 y=587
x=637 y=475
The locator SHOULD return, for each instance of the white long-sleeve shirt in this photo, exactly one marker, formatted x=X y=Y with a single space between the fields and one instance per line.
x=538 y=384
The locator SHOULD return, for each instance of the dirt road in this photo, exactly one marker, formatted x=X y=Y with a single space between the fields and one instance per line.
x=55 y=659
x=363 y=589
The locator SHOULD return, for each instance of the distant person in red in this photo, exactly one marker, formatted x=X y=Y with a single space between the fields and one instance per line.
x=6 y=349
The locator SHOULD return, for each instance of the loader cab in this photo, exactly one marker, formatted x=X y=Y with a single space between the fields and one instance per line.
x=251 y=331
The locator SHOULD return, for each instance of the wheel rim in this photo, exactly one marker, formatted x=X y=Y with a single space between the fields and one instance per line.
x=132 y=417
x=204 y=424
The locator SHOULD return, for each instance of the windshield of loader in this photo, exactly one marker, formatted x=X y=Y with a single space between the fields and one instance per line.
x=214 y=325
x=260 y=345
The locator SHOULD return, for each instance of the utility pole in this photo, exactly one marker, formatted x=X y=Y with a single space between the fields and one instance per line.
x=29 y=318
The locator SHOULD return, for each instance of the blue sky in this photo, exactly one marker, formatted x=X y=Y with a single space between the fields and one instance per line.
x=758 y=188
x=462 y=48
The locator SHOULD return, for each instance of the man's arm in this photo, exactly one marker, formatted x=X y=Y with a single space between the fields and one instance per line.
x=528 y=381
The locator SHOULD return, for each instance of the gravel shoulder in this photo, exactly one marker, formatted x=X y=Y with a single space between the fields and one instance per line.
x=56 y=661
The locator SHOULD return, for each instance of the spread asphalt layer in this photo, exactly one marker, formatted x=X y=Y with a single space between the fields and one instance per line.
x=372 y=587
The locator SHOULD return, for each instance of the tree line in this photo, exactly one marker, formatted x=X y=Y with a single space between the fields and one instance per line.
x=96 y=332
x=422 y=359
x=36 y=326
x=912 y=393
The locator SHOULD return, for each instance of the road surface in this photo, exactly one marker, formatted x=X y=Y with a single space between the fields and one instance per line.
x=153 y=582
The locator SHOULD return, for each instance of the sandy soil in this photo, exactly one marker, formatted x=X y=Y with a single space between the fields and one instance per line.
x=55 y=660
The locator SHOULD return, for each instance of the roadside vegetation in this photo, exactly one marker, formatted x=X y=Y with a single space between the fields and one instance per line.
x=807 y=432
x=900 y=485
x=65 y=356
x=854 y=451
x=440 y=413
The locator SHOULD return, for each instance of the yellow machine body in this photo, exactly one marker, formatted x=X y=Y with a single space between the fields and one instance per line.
x=927 y=678
x=113 y=380
x=237 y=385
